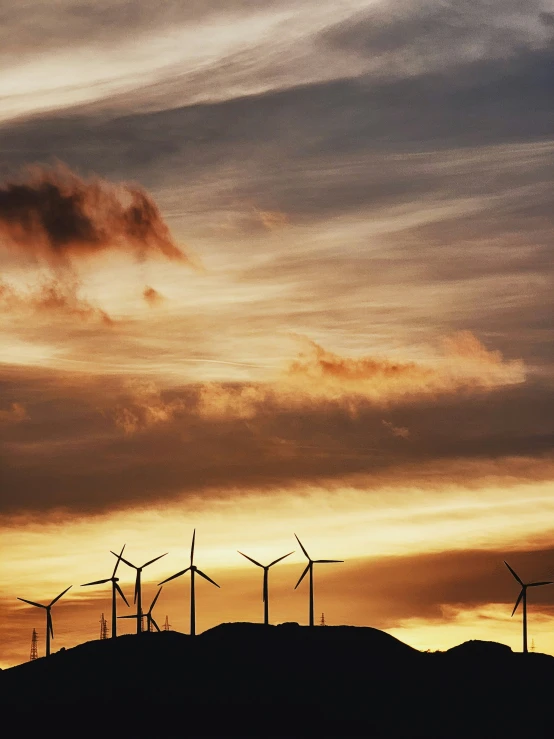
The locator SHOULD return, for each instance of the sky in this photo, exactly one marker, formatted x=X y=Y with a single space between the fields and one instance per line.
x=277 y=268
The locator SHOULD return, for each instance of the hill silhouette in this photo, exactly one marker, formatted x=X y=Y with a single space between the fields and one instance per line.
x=243 y=679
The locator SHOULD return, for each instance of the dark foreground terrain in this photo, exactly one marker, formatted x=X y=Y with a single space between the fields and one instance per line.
x=279 y=681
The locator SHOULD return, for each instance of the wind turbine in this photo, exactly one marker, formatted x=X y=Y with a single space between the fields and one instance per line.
x=523 y=596
x=310 y=569
x=138 y=589
x=49 y=627
x=115 y=589
x=265 y=592
x=193 y=570
x=149 y=617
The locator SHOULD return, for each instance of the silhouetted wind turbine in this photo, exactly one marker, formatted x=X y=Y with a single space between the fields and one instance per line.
x=49 y=627
x=149 y=617
x=193 y=570
x=265 y=592
x=310 y=569
x=523 y=596
x=115 y=589
x=138 y=587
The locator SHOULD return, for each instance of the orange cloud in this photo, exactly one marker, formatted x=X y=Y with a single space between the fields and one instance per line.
x=56 y=297
x=320 y=376
x=57 y=216
x=152 y=296
x=146 y=409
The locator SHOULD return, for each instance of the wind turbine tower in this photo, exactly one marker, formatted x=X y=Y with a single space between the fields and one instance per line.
x=523 y=597
x=265 y=590
x=138 y=586
x=49 y=626
x=310 y=569
x=193 y=571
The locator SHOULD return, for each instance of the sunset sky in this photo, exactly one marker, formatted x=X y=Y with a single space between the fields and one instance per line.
x=271 y=268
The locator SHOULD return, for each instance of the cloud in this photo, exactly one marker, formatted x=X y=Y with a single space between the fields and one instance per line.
x=319 y=376
x=53 y=297
x=272 y=220
x=146 y=409
x=401 y=432
x=57 y=217
x=14 y=414
x=152 y=296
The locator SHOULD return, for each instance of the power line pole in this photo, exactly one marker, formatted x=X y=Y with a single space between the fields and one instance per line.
x=167 y=625
x=103 y=627
x=322 y=620
x=34 y=645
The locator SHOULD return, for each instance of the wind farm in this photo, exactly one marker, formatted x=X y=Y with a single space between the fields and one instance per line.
x=240 y=671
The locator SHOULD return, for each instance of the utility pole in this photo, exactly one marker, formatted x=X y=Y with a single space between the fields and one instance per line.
x=167 y=625
x=34 y=645
x=103 y=627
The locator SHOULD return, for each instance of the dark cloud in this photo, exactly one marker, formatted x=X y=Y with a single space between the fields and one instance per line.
x=96 y=444
x=57 y=216
x=414 y=36
x=437 y=587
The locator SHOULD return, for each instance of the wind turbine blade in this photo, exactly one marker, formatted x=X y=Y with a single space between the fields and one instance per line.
x=280 y=558
x=118 y=561
x=96 y=582
x=121 y=593
x=32 y=603
x=136 y=586
x=192 y=547
x=155 y=624
x=174 y=576
x=518 y=601
x=302 y=547
x=517 y=577
x=327 y=561
x=154 y=560
x=250 y=558
x=303 y=575
x=49 y=625
x=60 y=595
x=119 y=557
x=209 y=579
x=154 y=601
x=534 y=584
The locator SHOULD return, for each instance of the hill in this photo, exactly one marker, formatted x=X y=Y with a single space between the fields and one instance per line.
x=249 y=680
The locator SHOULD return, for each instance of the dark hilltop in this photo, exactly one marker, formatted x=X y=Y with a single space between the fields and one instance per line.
x=243 y=679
